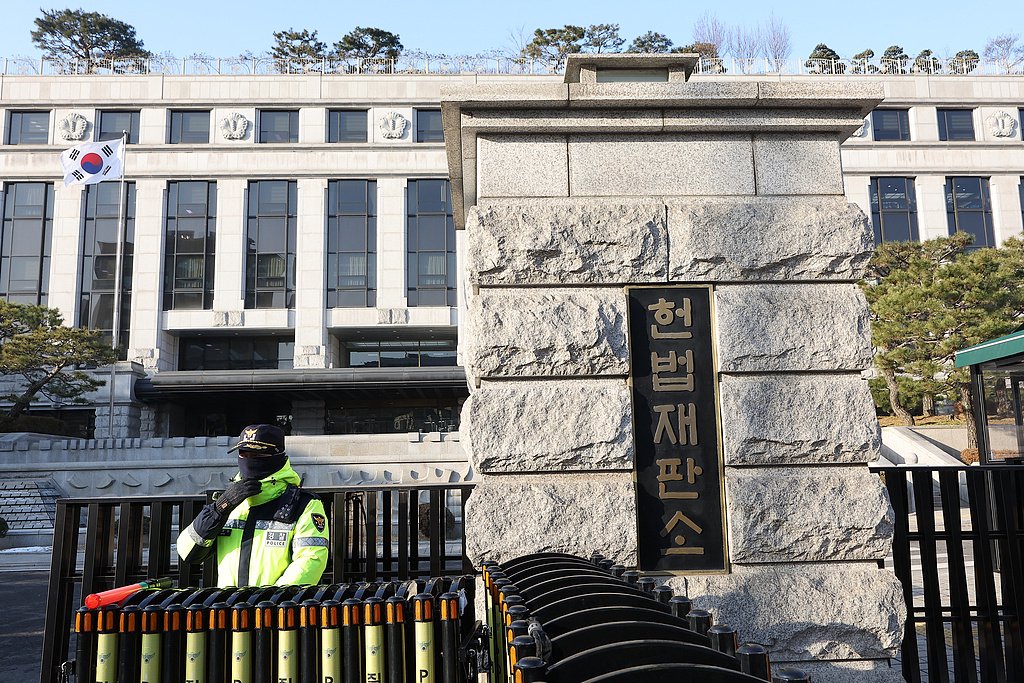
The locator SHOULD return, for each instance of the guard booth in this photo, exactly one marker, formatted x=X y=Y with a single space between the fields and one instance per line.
x=997 y=383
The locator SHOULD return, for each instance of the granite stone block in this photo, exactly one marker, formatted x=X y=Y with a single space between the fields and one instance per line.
x=792 y=419
x=768 y=238
x=670 y=164
x=522 y=166
x=799 y=327
x=795 y=164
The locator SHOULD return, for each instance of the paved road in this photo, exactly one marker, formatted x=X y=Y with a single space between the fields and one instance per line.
x=23 y=601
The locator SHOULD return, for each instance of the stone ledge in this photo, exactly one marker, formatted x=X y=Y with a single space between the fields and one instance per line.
x=797 y=164
x=545 y=426
x=799 y=613
x=767 y=238
x=513 y=515
x=578 y=241
x=523 y=166
x=754 y=434
x=799 y=327
x=546 y=332
x=807 y=514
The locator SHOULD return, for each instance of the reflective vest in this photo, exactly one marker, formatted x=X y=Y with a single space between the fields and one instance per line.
x=277 y=537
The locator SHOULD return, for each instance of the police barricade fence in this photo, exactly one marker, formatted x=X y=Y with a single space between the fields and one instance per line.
x=556 y=618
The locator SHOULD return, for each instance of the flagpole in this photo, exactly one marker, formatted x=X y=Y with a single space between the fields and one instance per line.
x=116 y=333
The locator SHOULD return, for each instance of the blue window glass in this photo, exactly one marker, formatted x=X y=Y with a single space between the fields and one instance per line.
x=969 y=209
x=893 y=210
x=890 y=124
x=103 y=205
x=956 y=124
x=428 y=125
x=351 y=243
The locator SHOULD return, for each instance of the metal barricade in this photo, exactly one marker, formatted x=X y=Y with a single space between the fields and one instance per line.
x=556 y=618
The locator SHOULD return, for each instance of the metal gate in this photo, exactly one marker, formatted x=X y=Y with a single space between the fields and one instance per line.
x=957 y=550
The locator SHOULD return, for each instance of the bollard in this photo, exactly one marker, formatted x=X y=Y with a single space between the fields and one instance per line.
x=500 y=651
x=373 y=636
x=195 y=644
x=129 y=645
x=172 y=655
x=680 y=606
x=754 y=661
x=423 y=617
x=263 y=655
x=529 y=670
x=783 y=675
x=395 y=635
x=617 y=570
x=631 y=577
x=242 y=617
x=287 y=642
x=606 y=564
x=86 y=623
x=663 y=594
x=449 y=604
x=700 y=620
x=151 y=643
x=596 y=557
x=330 y=641
x=647 y=584
x=351 y=640
x=724 y=639
x=521 y=648
x=217 y=669
x=309 y=647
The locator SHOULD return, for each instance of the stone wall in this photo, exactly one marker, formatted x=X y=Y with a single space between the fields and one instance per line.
x=570 y=195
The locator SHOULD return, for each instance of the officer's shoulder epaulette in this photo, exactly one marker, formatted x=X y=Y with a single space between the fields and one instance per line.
x=293 y=501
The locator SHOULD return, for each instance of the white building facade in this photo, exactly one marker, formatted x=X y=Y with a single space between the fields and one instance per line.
x=290 y=250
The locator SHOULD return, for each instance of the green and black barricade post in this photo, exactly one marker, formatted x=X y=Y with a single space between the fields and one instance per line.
x=647 y=584
x=309 y=645
x=520 y=648
x=217 y=647
x=500 y=651
x=152 y=642
x=663 y=594
x=423 y=634
x=330 y=642
x=129 y=645
x=395 y=616
x=351 y=611
x=263 y=655
x=373 y=633
x=195 y=644
x=680 y=606
x=173 y=655
x=724 y=638
x=242 y=619
x=287 y=642
x=700 y=620
x=449 y=637
x=529 y=670
x=86 y=626
x=631 y=577
x=617 y=570
x=106 y=646
x=754 y=661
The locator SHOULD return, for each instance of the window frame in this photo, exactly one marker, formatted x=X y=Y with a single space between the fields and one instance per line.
x=414 y=251
x=133 y=127
x=903 y=124
x=293 y=127
x=232 y=344
x=177 y=131
x=943 y=123
x=334 y=251
x=12 y=113
x=420 y=130
x=334 y=127
x=40 y=294
x=953 y=211
x=171 y=255
x=878 y=213
x=254 y=218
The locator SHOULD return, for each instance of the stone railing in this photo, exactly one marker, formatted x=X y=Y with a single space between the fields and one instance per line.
x=415 y=63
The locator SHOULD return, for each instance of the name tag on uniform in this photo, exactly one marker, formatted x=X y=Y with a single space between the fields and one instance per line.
x=275 y=539
x=225 y=532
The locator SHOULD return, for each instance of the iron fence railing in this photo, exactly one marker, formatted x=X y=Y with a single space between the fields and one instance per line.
x=420 y=64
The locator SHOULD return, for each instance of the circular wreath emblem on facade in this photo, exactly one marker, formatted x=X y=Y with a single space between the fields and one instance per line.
x=73 y=126
x=1002 y=125
x=393 y=125
x=234 y=126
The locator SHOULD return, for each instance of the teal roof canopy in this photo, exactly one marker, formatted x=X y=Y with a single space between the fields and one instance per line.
x=994 y=349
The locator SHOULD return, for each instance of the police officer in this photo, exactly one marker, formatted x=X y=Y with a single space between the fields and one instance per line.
x=263 y=527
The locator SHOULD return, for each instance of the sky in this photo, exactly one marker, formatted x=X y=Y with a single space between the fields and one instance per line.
x=224 y=28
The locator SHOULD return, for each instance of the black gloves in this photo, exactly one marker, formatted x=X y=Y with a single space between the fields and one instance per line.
x=235 y=494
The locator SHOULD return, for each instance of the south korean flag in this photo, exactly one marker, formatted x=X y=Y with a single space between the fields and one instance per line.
x=93 y=162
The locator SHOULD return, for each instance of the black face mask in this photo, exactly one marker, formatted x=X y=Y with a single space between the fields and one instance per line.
x=260 y=466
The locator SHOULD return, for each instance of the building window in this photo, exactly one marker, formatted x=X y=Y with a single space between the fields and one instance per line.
x=236 y=353
x=28 y=128
x=113 y=123
x=399 y=354
x=893 y=210
x=347 y=126
x=103 y=206
x=190 y=128
x=25 y=250
x=969 y=209
x=890 y=124
x=189 y=245
x=956 y=124
x=428 y=125
x=279 y=126
x=270 y=235
x=351 y=243
x=431 y=243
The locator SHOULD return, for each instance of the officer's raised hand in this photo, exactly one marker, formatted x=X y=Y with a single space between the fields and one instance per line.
x=235 y=494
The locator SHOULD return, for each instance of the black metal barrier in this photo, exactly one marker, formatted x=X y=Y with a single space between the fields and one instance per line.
x=377 y=632
x=380 y=533
x=556 y=618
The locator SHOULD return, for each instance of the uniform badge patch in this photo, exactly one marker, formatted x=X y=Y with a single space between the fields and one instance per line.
x=276 y=539
x=319 y=521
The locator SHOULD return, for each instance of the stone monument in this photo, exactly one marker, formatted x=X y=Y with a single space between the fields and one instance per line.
x=628 y=175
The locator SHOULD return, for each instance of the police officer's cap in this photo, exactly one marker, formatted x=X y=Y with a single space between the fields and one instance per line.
x=263 y=439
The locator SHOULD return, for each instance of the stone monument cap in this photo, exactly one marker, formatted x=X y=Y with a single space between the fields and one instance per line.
x=589 y=68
